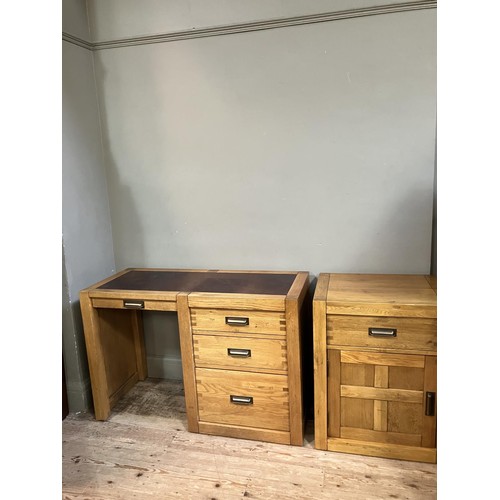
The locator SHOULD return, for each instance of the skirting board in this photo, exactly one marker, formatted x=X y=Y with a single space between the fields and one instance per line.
x=79 y=396
x=162 y=367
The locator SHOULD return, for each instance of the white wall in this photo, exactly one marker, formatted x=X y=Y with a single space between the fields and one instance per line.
x=86 y=223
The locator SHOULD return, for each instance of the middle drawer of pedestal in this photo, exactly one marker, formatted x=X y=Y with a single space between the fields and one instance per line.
x=240 y=353
x=243 y=398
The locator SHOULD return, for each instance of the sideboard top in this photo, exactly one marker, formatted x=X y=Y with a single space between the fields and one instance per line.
x=382 y=294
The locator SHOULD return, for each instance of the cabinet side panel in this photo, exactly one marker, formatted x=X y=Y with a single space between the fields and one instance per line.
x=293 y=335
x=320 y=363
x=187 y=356
x=118 y=347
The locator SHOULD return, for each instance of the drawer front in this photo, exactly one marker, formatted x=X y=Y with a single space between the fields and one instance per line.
x=382 y=332
x=243 y=398
x=234 y=321
x=137 y=304
x=235 y=352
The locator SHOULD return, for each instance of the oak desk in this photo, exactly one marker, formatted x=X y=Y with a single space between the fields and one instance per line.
x=240 y=337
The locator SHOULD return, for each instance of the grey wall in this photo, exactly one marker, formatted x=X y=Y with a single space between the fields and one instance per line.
x=117 y=19
x=309 y=147
x=301 y=148
x=86 y=223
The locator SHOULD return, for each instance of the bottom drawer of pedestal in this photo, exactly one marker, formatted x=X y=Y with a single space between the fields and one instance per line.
x=243 y=398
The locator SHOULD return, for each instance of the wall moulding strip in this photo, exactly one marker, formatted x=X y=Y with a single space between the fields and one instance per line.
x=254 y=26
x=77 y=41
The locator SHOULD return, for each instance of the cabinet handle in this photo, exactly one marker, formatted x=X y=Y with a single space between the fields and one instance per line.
x=241 y=400
x=235 y=321
x=430 y=403
x=382 y=332
x=136 y=304
x=239 y=353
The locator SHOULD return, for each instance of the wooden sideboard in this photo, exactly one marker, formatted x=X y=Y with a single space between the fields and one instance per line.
x=240 y=337
x=375 y=352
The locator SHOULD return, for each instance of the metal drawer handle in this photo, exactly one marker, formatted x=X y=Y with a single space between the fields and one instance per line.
x=136 y=304
x=239 y=353
x=382 y=332
x=235 y=321
x=241 y=400
x=430 y=403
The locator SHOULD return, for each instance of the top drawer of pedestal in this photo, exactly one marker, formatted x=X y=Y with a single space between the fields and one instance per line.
x=382 y=332
x=238 y=321
x=384 y=295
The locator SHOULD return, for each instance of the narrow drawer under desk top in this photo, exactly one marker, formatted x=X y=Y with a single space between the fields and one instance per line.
x=204 y=321
x=243 y=399
x=409 y=334
x=138 y=304
x=240 y=353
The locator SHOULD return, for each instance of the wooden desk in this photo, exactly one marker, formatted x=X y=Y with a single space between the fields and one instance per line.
x=240 y=337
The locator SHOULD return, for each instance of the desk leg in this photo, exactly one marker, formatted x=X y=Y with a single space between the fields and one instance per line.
x=95 y=357
x=188 y=370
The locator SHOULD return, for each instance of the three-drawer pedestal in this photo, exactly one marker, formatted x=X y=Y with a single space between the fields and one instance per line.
x=375 y=352
x=247 y=366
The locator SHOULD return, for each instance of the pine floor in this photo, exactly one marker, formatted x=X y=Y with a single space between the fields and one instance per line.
x=143 y=451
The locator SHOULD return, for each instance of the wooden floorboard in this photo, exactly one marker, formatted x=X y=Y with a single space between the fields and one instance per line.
x=144 y=451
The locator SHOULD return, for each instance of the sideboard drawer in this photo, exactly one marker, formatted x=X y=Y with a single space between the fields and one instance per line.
x=238 y=352
x=382 y=332
x=235 y=321
x=243 y=399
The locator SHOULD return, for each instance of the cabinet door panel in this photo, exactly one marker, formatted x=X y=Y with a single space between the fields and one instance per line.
x=356 y=413
x=380 y=397
x=357 y=374
x=404 y=417
x=403 y=377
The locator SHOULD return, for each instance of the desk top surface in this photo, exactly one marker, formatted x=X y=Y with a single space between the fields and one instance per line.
x=266 y=283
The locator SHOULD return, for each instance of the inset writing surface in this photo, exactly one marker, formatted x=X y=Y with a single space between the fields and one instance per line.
x=192 y=281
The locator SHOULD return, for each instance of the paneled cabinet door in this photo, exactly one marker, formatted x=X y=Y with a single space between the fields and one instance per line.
x=382 y=401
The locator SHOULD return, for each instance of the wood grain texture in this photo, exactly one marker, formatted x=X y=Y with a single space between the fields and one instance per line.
x=382 y=358
x=241 y=432
x=269 y=406
x=355 y=391
x=237 y=301
x=320 y=362
x=216 y=320
x=145 y=451
x=293 y=306
x=264 y=354
x=381 y=295
x=187 y=357
x=430 y=384
x=412 y=334
x=387 y=450
x=149 y=305
x=98 y=376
